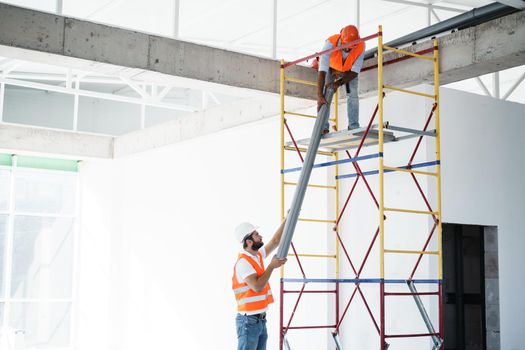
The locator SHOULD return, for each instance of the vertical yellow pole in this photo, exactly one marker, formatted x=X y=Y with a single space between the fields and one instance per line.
x=438 y=156
x=336 y=209
x=281 y=87
x=336 y=111
x=381 y=148
x=380 y=85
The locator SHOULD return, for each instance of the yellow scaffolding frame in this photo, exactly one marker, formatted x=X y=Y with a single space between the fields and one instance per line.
x=382 y=168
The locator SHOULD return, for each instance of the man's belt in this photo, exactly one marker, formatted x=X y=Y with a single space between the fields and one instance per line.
x=262 y=315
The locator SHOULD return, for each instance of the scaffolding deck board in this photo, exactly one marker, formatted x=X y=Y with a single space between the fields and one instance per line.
x=347 y=139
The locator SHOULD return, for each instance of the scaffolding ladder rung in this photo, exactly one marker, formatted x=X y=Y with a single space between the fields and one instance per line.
x=324 y=153
x=315 y=255
x=402 y=251
x=311 y=185
x=431 y=133
x=390 y=87
x=301 y=115
x=305 y=115
x=328 y=291
x=334 y=162
x=375 y=172
x=300 y=81
x=312 y=327
x=410 y=171
x=402 y=294
x=408 y=53
x=359 y=280
x=411 y=211
x=411 y=335
x=317 y=220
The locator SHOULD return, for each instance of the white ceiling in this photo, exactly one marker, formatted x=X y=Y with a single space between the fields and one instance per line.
x=246 y=26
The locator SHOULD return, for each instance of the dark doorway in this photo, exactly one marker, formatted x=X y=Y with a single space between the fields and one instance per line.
x=464 y=287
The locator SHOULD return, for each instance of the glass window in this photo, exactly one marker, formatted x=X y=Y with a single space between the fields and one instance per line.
x=4 y=189
x=2 y=314
x=45 y=325
x=45 y=192
x=42 y=257
x=37 y=253
x=3 y=237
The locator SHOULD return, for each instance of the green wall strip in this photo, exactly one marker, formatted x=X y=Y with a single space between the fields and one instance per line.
x=47 y=163
x=6 y=159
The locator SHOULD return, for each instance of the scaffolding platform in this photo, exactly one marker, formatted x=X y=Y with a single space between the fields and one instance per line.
x=347 y=139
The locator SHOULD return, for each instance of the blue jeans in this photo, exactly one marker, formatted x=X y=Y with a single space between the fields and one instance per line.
x=251 y=332
x=352 y=102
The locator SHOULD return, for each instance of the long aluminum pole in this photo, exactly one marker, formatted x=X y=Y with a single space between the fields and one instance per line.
x=304 y=178
x=421 y=307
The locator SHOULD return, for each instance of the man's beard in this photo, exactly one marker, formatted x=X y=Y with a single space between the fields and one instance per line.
x=257 y=245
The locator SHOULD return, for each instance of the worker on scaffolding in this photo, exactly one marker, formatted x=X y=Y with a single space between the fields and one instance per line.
x=250 y=285
x=341 y=67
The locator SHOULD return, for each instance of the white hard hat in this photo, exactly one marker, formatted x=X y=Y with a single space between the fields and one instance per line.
x=243 y=230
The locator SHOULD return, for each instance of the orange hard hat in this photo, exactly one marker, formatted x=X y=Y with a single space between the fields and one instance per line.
x=349 y=34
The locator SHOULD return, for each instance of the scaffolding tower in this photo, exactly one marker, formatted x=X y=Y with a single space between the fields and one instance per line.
x=345 y=147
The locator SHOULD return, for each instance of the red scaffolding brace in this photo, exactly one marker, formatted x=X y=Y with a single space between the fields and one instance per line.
x=350 y=144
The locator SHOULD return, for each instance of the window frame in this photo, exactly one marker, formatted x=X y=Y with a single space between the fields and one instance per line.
x=6 y=298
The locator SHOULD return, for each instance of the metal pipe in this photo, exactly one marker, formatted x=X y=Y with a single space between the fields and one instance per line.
x=462 y=21
x=274 y=30
x=306 y=171
x=176 y=19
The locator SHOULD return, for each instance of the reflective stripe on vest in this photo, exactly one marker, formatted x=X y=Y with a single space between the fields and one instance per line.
x=336 y=57
x=247 y=299
x=255 y=298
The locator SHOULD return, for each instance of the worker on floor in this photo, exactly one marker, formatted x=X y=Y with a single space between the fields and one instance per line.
x=339 y=68
x=250 y=285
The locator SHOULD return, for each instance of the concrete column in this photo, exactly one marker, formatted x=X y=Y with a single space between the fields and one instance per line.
x=492 y=312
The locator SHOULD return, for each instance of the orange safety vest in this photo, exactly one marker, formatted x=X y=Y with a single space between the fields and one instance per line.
x=336 y=57
x=247 y=299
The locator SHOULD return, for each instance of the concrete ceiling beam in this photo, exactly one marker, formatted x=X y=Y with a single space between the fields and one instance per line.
x=203 y=123
x=53 y=142
x=47 y=38
x=486 y=48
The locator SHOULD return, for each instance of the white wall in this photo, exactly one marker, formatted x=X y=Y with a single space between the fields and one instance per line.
x=164 y=221
x=481 y=184
x=157 y=249
x=483 y=169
